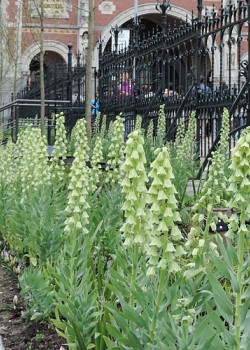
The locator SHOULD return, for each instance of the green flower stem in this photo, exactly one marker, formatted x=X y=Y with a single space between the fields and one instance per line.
x=159 y=294
x=184 y=192
x=157 y=306
x=239 y=279
x=73 y=254
x=193 y=185
x=209 y=219
x=134 y=270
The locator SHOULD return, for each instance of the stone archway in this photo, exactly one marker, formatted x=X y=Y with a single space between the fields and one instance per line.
x=54 y=51
x=54 y=48
x=51 y=58
x=147 y=11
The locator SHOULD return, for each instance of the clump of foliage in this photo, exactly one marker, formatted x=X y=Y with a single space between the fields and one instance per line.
x=183 y=158
x=107 y=259
x=215 y=193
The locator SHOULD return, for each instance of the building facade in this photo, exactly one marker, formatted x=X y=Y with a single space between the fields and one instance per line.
x=67 y=22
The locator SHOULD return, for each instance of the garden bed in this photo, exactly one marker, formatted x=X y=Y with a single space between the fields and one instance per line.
x=16 y=332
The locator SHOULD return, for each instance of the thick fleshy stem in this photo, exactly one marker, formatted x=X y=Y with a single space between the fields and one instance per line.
x=159 y=293
x=209 y=219
x=239 y=278
x=134 y=272
x=157 y=306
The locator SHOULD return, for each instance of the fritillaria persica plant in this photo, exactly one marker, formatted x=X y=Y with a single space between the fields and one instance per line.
x=78 y=186
x=59 y=152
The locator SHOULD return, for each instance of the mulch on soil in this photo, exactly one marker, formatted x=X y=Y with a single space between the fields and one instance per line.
x=16 y=332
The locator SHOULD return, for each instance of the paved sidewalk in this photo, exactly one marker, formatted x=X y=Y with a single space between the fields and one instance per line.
x=190 y=190
x=1 y=344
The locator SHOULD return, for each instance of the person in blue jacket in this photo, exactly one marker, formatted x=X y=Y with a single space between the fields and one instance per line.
x=204 y=89
x=95 y=109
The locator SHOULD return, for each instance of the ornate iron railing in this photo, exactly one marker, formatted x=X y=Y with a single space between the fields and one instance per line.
x=201 y=45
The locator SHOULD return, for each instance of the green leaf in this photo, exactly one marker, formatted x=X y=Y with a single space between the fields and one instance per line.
x=33 y=261
x=35 y=315
x=117 y=315
x=96 y=231
x=231 y=252
x=244 y=310
x=209 y=342
x=132 y=314
x=135 y=341
x=227 y=272
x=200 y=329
x=223 y=303
x=131 y=341
x=113 y=331
x=122 y=262
x=118 y=287
x=79 y=337
x=115 y=274
x=221 y=266
x=246 y=293
x=110 y=344
x=193 y=272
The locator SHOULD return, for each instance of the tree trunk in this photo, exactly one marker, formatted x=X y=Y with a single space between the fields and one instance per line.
x=89 y=71
x=42 y=123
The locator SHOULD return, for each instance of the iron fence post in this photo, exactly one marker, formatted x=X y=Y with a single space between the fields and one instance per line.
x=100 y=84
x=17 y=120
x=116 y=31
x=69 y=87
x=12 y=118
x=163 y=8
x=198 y=73
x=248 y=72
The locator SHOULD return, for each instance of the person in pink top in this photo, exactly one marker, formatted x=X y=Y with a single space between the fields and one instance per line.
x=170 y=91
x=125 y=87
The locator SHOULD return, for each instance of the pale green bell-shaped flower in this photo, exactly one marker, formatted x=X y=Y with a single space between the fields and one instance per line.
x=164 y=232
x=79 y=183
x=59 y=152
x=116 y=152
x=135 y=228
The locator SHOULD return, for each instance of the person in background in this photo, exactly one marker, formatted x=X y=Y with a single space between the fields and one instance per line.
x=95 y=109
x=170 y=91
x=224 y=88
x=125 y=87
x=148 y=92
x=204 y=89
x=74 y=98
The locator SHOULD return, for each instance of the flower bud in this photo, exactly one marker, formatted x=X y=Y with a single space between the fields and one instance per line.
x=6 y=257
x=15 y=300
x=13 y=261
x=17 y=270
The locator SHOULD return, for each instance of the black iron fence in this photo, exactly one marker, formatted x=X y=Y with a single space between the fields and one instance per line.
x=63 y=82
x=195 y=66
x=183 y=67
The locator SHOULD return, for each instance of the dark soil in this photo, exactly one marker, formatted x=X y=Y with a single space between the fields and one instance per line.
x=16 y=332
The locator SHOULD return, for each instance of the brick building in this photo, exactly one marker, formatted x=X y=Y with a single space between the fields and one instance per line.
x=67 y=22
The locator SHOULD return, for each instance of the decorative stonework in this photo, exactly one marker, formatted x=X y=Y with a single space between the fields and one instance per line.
x=52 y=9
x=107 y=7
x=208 y=10
x=84 y=41
x=50 y=31
x=231 y=63
x=49 y=45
